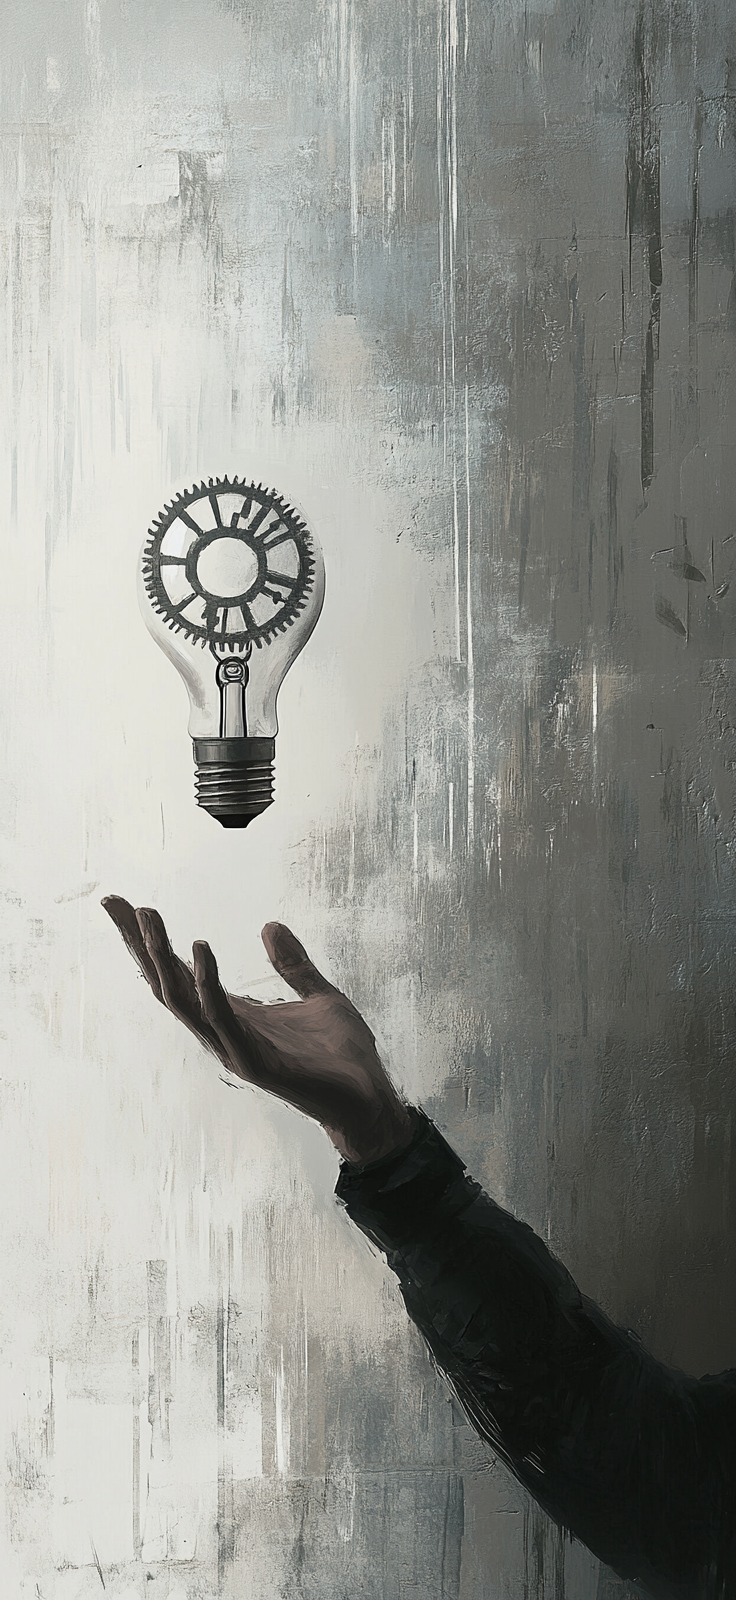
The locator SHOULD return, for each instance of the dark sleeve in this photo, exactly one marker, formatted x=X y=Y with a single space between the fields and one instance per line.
x=635 y=1460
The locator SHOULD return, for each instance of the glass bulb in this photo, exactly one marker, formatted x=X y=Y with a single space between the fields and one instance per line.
x=231 y=584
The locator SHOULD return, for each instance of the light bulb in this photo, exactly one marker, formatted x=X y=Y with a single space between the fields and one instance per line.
x=231 y=584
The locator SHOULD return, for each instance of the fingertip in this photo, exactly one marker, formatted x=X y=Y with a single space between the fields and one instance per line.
x=122 y=917
x=205 y=965
x=115 y=905
x=269 y=935
x=282 y=946
x=151 y=924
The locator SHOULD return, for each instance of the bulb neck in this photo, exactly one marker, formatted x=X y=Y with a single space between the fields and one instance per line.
x=233 y=778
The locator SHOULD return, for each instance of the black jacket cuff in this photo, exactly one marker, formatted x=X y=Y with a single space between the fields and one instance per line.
x=392 y=1200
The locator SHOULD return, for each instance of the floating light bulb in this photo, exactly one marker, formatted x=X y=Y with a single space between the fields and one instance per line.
x=231 y=584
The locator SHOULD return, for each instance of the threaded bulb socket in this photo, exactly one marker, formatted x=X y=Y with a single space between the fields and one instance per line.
x=233 y=778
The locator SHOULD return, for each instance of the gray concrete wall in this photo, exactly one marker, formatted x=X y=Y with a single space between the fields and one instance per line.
x=459 y=278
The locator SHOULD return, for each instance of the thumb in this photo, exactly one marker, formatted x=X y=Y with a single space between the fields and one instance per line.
x=292 y=963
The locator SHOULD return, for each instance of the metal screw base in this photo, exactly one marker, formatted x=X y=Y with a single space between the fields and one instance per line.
x=234 y=778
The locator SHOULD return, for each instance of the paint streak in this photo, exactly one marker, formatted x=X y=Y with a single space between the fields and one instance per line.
x=643 y=216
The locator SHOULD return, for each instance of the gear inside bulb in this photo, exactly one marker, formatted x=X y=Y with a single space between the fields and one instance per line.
x=229 y=564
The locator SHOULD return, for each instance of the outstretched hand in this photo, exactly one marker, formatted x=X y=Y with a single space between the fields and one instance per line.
x=316 y=1052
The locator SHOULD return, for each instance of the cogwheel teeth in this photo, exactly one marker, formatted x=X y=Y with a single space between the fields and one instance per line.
x=266 y=526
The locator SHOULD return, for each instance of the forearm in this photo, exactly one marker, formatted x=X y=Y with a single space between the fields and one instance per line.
x=574 y=1405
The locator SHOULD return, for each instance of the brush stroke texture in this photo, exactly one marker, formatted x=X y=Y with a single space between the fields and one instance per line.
x=376 y=252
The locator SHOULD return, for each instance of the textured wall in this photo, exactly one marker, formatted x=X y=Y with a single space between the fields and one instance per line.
x=459 y=278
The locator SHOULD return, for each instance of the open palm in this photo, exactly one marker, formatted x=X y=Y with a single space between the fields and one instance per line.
x=316 y=1053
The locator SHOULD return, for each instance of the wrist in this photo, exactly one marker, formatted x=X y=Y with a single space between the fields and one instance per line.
x=390 y=1132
